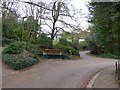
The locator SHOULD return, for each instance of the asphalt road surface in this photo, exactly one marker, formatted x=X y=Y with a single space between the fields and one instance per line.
x=57 y=73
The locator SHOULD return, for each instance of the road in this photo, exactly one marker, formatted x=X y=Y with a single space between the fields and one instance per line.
x=57 y=73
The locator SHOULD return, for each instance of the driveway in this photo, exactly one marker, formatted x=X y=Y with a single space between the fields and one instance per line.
x=56 y=73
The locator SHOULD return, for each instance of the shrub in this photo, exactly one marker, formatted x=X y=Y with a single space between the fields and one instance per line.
x=6 y=41
x=64 y=41
x=34 y=49
x=67 y=49
x=74 y=52
x=62 y=47
x=55 y=42
x=109 y=55
x=14 y=48
x=45 y=41
x=19 y=61
x=17 y=57
x=36 y=52
x=95 y=47
x=82 y=46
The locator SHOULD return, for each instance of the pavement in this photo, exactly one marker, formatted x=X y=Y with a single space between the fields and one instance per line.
x=62 y=74
x=106 y=79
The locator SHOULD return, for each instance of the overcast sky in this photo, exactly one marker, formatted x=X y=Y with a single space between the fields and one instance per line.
x=82 y=4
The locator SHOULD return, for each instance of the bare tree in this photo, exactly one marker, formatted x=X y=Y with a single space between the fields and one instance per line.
x=55 y=14
x=58 y=16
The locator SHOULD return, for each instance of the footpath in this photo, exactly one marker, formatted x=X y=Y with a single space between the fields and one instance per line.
x=106 y=79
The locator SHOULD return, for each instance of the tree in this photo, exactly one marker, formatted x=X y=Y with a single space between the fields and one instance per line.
x=105 y=26
x=54 y=17
x=32 y=26
x=55 y=14
x=39 y=15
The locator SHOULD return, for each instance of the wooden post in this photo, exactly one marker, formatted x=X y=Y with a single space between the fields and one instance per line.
x=118 y=70
x=116 y=65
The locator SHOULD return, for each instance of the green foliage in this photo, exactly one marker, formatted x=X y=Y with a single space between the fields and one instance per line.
x=12 y=30
x=45 y=41
x=36 y=52
x=31 y=24
x=109 y=55
x=63 y=41
x=74 y=51
x=105 y=28
x=94 y=46
x=17 y=57
x=65 y=46
x=55 y=42
x=82 y=46
x=6 y=41
x=30 y=32
x=67 y=49
x=19 y=61
x=14 y=48
x=62 y=47
x=34 y=49
x=74 y=38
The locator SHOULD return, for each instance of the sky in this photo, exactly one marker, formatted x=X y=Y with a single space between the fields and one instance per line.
x=82 y=4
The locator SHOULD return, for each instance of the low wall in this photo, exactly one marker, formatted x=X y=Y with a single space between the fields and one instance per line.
x=53 y=54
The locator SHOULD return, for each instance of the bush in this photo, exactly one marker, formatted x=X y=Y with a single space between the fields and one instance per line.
x=19 y=61
x=45 y=41
x=14 y=48
x=67 y=49
x=95 y=47
x=82 y=46
x=35 y=50
x=109 y=55
x=64 y=41
x=6 y=41
x=74 y=52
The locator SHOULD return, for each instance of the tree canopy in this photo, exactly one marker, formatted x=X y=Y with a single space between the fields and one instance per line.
x=105 y=33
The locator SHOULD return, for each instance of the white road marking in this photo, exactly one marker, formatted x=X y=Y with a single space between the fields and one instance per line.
x=92 y=81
